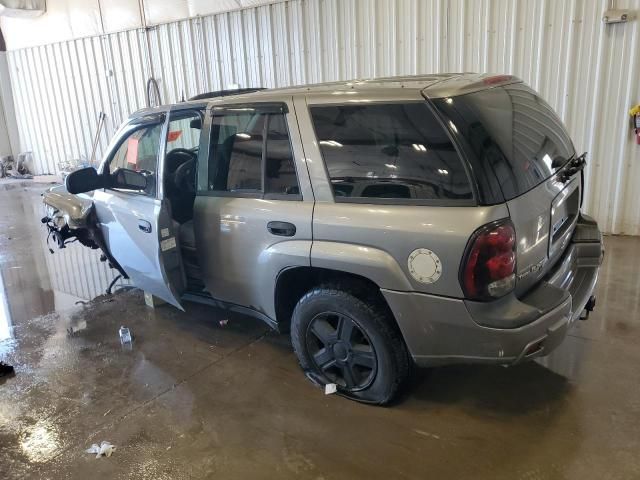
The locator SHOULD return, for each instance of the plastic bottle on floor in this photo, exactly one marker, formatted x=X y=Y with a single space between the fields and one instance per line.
x=125 y=335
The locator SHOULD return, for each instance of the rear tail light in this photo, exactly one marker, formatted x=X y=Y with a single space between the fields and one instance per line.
x=489 y=265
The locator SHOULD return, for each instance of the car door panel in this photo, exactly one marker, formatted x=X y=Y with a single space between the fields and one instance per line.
x=245 y=238
x=150 y=258
x=240 y=257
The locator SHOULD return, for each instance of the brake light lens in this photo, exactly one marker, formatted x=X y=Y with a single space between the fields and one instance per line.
x=497 y=79
x=489 y=265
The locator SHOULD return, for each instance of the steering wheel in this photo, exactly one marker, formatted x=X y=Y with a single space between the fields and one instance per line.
x=178 y=155
x=184 y=177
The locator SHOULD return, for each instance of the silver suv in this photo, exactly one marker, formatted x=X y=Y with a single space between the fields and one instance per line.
x=420 y=220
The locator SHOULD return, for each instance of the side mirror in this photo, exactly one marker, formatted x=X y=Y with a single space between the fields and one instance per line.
x=128 y=179
x=84 y=180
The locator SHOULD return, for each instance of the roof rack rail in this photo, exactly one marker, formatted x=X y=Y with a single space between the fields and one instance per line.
x=224 y=93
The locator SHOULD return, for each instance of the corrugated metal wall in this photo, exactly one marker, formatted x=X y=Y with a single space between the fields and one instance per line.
x=587 y=71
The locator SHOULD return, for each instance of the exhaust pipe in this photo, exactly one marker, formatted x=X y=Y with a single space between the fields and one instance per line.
x=588 y=308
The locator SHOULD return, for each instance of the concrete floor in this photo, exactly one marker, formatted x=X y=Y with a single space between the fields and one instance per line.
x=194 y=399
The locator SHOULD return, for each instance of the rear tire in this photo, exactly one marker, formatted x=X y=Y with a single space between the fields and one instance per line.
x=339 y=338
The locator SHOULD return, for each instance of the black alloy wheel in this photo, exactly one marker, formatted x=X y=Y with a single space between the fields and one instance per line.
x=341 y=350
x=348 y=337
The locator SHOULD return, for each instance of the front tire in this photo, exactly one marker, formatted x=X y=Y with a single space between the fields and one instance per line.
x=339 y=338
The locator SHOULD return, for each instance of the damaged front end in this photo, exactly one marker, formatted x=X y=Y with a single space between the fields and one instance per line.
x=71 y=218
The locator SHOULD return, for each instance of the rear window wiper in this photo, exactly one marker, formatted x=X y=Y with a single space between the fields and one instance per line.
x=572 y=167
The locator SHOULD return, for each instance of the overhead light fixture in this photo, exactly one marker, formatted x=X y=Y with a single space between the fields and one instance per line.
x=330 y=143
x=22 y=9
x=442 y=171
x=390 y=165
x=246 y=136
x=418 y=147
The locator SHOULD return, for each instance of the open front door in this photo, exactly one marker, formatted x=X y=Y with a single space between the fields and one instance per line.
x=136 y=224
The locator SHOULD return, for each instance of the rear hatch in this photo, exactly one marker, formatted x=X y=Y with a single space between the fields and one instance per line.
x=521 y=154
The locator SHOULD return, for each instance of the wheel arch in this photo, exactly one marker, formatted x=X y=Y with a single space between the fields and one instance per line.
x=365 y=261
x=292 y=284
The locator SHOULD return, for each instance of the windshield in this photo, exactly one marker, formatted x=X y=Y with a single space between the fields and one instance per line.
x=512 y=131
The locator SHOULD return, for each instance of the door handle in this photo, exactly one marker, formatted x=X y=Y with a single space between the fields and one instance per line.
x=283 y=229
x=144 y=226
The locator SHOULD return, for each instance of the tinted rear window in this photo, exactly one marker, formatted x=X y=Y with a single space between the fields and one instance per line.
x=389 y=151
x=512 y=131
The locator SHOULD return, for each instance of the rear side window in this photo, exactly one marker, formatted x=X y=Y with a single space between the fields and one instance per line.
x=389 y=152
x=245 y=157
x=280 y=171
x=251 y=153
x=512 y=132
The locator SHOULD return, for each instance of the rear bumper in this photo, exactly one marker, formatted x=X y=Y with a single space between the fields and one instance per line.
x=441 y=330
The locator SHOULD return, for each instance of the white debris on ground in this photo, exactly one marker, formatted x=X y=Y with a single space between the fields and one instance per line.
x=330 y=388
x=125 y=335
x=104 y=449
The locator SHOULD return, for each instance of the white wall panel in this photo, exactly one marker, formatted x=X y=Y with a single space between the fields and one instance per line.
x=159 y=11
x=9 y=119
x=120 y=15
x=74 y=19
x=63 y=20
x=5 y=144
x=587 y=71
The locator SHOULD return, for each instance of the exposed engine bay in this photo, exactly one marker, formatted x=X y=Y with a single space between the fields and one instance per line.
x=61 y=233
x=70 y=218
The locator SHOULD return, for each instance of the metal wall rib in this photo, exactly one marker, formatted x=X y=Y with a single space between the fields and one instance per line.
x=586 y=70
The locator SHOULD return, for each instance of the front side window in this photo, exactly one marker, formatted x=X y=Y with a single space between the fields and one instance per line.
x=139 y=152
x=250 y=153
x=183 y=140
x=184 y=132
x=395 y=151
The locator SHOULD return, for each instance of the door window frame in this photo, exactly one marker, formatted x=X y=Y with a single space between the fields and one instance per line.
x=180 y=114
x=268 y=109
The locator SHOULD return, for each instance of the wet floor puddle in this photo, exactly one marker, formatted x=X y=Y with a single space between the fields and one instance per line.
x=33 y=281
